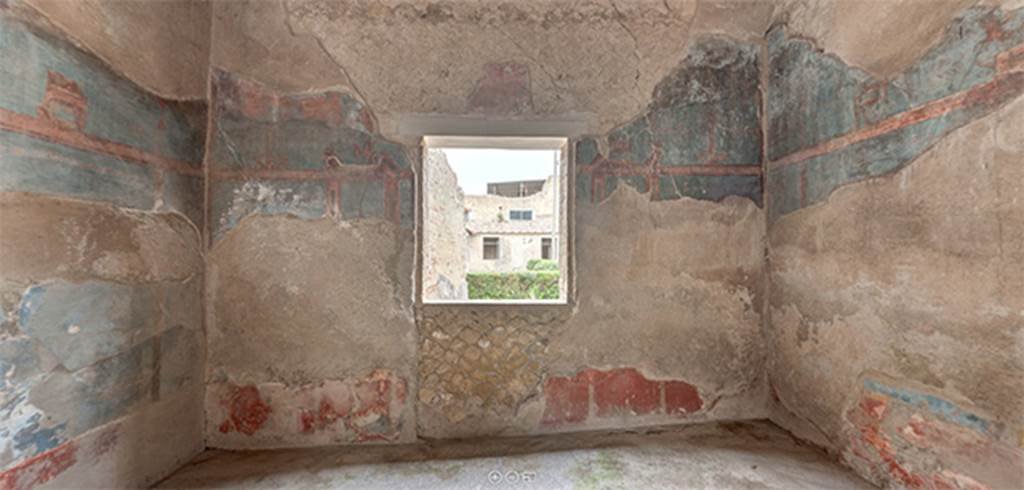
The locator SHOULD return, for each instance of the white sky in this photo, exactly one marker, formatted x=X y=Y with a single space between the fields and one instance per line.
x=475 y=167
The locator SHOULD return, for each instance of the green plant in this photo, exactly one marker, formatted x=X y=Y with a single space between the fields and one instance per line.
x=542 y=265
x=513 y=285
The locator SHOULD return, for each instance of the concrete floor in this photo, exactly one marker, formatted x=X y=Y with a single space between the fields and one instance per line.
x=738 y=455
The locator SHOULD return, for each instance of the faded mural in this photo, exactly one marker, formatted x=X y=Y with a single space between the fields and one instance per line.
x=101 y=268
x=769 y=222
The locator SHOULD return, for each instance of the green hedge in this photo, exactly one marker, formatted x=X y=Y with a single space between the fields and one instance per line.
x=513 y=285
x=542 y=265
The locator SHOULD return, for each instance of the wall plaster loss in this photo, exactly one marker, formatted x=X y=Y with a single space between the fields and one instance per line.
x=208 y=229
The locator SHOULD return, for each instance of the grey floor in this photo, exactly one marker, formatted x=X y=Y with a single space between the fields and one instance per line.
x=720 y=456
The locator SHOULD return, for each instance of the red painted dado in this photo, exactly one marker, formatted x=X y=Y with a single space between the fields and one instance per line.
x=363 y=407
x=247 y=412
x=681 y=398
x=356 y=409
x=597 y=393
x=326 y=414
x=871 y=445
x=902 y=444
x=567 y=400
x=40 y=468
x=624 y=389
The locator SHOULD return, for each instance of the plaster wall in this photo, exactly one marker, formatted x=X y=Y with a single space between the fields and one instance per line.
x=885 y=325
x=101 y=339
x=161 y=45
x=895 y=254
x=668 y=196
x=444 y=241
x=515 y=251
x=530 y=59
x=309 y=284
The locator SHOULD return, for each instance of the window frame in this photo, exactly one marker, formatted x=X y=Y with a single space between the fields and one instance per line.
x=491 y=241
x=545 y=246
x=565 y=213
x=522 y=212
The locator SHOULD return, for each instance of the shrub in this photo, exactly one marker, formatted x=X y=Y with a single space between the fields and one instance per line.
x=512 y=285
x=542 y=265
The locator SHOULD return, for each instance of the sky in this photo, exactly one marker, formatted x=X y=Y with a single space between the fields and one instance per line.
x=475 y=167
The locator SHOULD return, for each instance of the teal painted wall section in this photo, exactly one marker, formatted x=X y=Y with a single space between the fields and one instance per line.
x=71 y=127
x=700 y=137
x=306 y=155
x=830 y=124
x=101 y=203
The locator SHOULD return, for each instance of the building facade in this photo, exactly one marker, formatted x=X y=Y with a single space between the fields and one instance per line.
x=504 y=233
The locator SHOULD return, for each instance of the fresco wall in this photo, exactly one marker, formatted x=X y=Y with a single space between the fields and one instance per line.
x=895 y=254
x=311 y=331
x=881 y=180
x=101 y=340
x=312 y=254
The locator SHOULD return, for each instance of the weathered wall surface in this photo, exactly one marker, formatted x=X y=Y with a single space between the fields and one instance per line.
x=161 y=45
x=311 y=332
x=666 y=323
x=896 y=255
x=532 y=58
x=74 y=128
x=492 y=208
x=444 y=241
x=620 y=358
x=101 y=341
x=699 y=138
x=645 y=351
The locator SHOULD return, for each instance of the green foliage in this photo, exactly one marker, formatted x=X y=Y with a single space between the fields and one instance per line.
x=542 y=265
x=513 y=285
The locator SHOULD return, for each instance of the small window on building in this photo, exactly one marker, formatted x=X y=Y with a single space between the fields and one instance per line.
x=545 y=248
x=520 y=215
x=490 y=248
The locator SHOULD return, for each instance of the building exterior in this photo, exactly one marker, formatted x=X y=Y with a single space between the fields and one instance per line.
x=444 y=240
x=518 y=188
x=504 y=233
